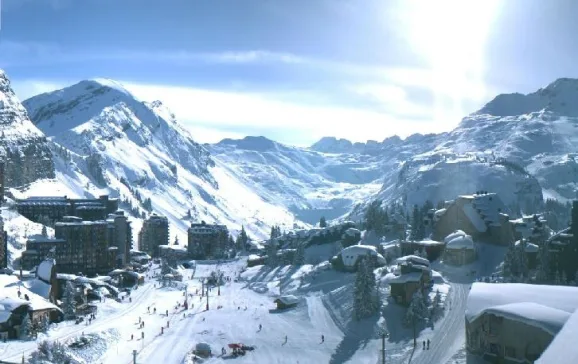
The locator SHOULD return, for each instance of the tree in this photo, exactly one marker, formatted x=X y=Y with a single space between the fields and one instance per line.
x=299 y=257
x=26 y=327
x=44 y=231
x=510 y=268
x=522 y=259
x=365 y=295
x=417 y=311
x=69 y=301
x=272 y=259
x=176 y=240
x=544 y=264
x=242 y=239
x=44 y=324
x=322 y=222
x=437 y=307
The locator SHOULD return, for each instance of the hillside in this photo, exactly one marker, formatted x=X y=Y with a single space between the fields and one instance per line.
x=308 y=183
x=104 y=140
x=23 y=147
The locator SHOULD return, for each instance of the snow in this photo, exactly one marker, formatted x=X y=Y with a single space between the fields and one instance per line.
x=461 y=242
x=474 y=217
x=530 y=247
x=563 y=349
x=454 y=235
x=544 y=317
x=9 y=287
x=350 y=254
x=44 y=270
x=497 y=296
x=413 y=259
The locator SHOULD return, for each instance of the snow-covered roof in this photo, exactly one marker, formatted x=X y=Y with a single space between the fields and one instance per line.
x=350 y=254
x=453 y=235
x=563 y=349
x=530 y=247
x=44 y=270
x=403 y=278
x=352 y=232
x=547 y=318
x=461 y=242
x=39 y=287
x=38 y=238
x=474 y=217
x=428 y=242
x=288 y=299
x=413 y=259
x=541 y=305
x=10 y=285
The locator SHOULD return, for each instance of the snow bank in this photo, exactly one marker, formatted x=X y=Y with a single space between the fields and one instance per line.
x=350 y=254
x=454 y=235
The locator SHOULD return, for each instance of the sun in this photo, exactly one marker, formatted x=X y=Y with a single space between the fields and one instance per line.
x=450 y=37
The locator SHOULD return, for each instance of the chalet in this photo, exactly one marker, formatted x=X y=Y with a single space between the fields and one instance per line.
x=412 y=273
x=460 y=249
x=482 y=216
x=285 y=302
x=515 y=323
x=349 y=257
x=173 y=253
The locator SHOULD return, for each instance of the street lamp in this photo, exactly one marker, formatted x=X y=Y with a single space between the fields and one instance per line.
x=384 y=334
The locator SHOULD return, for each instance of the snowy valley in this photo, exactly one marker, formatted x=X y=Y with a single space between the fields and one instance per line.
x=331 y=269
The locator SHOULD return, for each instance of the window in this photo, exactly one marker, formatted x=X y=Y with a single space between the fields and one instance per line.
x=509 y=351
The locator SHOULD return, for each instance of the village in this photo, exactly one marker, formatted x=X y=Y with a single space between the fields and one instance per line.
x=471 y=243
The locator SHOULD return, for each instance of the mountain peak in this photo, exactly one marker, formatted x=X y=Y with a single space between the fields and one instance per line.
x=332 y=145
x=559 y=97
x=256 y=143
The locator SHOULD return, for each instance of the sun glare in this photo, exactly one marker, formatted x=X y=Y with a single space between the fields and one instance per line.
x=451 y=37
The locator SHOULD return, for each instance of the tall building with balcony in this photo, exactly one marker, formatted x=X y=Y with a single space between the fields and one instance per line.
x=86 y=248
x=49 y=210
x=154 y=232
x=38 y=247
x=207 y=241
x=120 y=236
x=3 y=245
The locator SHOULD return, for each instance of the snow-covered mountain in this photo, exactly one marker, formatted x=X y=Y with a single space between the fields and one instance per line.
x=22 y=146
x=106 y=141
x=308 y=183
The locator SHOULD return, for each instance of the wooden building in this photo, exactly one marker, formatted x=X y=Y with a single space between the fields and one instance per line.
x=285 y=302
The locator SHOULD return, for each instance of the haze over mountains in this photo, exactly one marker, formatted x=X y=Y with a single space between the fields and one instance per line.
x=95 y=136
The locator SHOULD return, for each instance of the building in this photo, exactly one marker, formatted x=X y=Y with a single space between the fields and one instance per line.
x=86 y=248
x=2 y=182
x=563 y=349
x=173 y=253
x=483 y=216
x=49 y=210
x=154 y=232
x=514 y=322
x=412 y=273
x=3 y=245
x=285 y=302
x=207 y=241
x=39 y=247
x=120 y=236
x=460 y=249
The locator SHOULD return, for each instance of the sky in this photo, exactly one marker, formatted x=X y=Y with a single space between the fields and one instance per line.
x=295 y=70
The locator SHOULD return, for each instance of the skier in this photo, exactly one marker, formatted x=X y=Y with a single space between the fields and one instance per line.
x=223 y=351
x=167 y=313
x=131 y=336
x=424 y=345
x=427 y=344
x=155 y=310
x=322 y=338
x=260 y=327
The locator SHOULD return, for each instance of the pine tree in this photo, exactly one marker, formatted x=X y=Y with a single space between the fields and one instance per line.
x=564 y=278
x=365 y=297
x=322 y=222
x=437 y=307
x=416 y=312
x=69 y=301
x=415 y=222
x=176 y=240
x=44 y=324
x=510 y=268
x=26 y=327
x=299 y=257
x=544 y=264
x=44 y=231
x=272 y=259
x=522 y=259
x=244 y=239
